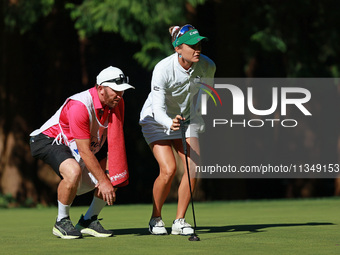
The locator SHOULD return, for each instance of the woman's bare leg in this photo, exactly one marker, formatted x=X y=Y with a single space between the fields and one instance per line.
x=162 y=150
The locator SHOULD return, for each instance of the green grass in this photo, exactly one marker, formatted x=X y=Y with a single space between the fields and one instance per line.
x=245 y=227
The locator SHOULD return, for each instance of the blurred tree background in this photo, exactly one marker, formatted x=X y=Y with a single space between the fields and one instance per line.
x=51 y=49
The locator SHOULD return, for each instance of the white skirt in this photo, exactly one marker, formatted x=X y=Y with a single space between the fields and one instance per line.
x=153 y=131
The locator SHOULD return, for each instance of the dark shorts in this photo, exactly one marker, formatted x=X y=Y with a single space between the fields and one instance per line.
x=54 y=155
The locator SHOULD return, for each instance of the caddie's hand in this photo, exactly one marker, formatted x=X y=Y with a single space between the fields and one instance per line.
x=176 y=122
x=107 y=191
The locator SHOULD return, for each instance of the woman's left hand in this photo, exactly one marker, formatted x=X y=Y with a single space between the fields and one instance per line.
x=176 y=122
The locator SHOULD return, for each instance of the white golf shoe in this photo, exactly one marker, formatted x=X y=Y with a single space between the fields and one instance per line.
x=181 y=227
x=156 y=226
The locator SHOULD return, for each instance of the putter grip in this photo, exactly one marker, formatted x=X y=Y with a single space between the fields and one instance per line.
x=181 y=122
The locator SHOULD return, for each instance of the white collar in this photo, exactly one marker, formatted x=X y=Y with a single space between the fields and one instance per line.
x=180 y=68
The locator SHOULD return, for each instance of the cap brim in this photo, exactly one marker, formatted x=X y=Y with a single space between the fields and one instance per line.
x=120 y=87
x=195 y=40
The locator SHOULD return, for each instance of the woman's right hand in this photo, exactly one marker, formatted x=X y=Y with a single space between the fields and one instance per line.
x=176 y=122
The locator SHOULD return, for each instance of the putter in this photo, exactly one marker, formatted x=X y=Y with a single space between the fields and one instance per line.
x=193 y=237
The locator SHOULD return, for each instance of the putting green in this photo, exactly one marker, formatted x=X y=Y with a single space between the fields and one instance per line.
x=310 y=226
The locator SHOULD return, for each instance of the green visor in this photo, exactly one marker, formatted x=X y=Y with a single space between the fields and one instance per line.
x=190 y=38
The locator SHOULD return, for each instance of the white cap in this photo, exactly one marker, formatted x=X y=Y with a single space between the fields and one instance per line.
x=114 y=78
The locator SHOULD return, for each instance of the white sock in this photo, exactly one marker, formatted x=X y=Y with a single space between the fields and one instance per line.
x=95 y=208
x=63 y=211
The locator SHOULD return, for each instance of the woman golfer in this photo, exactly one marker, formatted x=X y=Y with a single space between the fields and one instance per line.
x=175 y=81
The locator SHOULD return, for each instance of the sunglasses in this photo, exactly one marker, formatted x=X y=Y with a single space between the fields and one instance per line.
x=122 y=79
x=183 y=30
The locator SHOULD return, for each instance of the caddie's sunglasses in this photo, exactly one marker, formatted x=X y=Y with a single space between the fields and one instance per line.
x=122 y=79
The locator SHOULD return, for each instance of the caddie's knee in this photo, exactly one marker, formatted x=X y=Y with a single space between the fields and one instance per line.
x=70 y=171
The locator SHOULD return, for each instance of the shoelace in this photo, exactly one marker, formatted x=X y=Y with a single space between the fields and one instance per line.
x=184 y=223
x=97 y=224
x=158 y=222
x=67 y=225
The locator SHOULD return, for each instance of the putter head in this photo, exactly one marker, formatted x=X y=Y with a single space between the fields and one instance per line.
x=194 y=237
